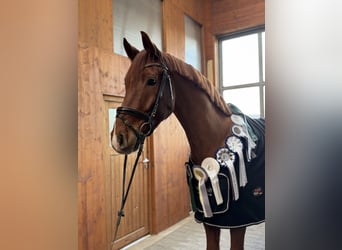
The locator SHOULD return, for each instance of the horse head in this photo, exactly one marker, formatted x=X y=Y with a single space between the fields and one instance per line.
x=149 y=97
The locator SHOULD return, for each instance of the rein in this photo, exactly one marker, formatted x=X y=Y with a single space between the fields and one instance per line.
x=140 y=134
x=125 y=193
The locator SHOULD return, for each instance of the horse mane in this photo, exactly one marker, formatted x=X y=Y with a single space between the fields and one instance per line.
x=190 y=73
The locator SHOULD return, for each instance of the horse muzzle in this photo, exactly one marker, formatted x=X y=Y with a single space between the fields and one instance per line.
x=124 y=142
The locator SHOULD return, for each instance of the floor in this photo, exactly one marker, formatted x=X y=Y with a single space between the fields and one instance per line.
x=189 y=235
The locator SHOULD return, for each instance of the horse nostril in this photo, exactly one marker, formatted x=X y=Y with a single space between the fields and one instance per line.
x=120 y=139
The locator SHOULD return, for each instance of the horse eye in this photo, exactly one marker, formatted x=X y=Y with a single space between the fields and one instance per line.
x=151 y=82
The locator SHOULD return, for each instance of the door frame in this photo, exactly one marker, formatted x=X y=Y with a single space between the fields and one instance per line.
x=111 y=217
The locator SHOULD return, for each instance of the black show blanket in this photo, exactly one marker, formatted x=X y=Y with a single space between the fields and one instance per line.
x=249 y=209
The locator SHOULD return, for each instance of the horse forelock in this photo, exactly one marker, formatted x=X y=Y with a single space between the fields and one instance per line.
x=190 y=73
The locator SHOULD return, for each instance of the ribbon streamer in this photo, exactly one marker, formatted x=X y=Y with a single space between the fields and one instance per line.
x=240 y=129
x=227 y=158
x=212 y=168
x=233 y=179
x=201 y=176
x=235 y=145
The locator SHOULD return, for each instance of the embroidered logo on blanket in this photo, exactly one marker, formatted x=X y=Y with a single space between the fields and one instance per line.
x=257 y=191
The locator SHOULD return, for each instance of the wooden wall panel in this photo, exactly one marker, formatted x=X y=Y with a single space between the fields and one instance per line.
x=173 y=30
x=95 y=27
x=113 y=69
x=100 y=72
x=170 y=151
x=195 y=9
x=232 y=15
x=90 y=172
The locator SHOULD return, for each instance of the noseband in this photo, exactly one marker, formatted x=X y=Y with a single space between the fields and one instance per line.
x=148 y=118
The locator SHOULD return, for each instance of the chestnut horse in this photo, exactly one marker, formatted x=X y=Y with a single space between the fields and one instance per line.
x=157 y=85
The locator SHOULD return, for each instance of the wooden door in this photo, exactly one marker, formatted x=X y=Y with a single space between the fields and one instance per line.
x=135 y=223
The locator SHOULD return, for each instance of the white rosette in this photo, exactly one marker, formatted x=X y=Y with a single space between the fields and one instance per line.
x=201 y=176
x=240 y=130
x=237 y=119
x=212 y=168
x=227 y=158
x=235 y=145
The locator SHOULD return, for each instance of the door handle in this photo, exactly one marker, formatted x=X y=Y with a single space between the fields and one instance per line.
x=145 y=162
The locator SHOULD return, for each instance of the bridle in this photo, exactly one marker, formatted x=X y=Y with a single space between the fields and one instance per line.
x=149 y=124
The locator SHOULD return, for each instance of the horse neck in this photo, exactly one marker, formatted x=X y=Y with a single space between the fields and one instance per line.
x=205 y=126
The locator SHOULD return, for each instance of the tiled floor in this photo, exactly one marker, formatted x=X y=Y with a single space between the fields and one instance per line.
x=189 y=235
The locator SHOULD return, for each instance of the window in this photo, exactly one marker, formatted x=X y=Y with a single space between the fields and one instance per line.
x=242 y=70
x=132 y=16
x=193 y=45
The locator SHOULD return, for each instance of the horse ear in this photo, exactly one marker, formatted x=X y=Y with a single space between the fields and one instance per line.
x=149 y=46
x=130 y=50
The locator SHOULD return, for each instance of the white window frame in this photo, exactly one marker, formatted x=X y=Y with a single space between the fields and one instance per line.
x=261 y=83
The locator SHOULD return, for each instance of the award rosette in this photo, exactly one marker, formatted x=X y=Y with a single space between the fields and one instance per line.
x=201 y=175
x=223 y=155
x=227 y=158
x=235 y=145
x=240 y=130
x=212 y=168
x=237 y=119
